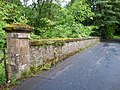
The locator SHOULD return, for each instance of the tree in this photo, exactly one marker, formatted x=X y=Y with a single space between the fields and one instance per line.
x=80 y=10
x=9 y=13
x=56 y=21
x=116 y=8
x=107 y=17
x=50 y=19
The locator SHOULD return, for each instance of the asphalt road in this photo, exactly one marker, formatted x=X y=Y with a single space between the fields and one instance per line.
x=97 y=68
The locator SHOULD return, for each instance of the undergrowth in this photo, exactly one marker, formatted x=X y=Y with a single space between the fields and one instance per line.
x=2 y=71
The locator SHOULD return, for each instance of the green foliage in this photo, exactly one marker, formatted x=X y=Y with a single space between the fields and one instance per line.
x=107 y=17
x=80 y=10
x=10 y=12
x=2 y=35
x=2 y=74
x=65 y=22
x=116 y=36
x=2 y=71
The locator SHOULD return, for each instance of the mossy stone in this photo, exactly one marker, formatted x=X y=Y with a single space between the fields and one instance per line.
x=18 y=27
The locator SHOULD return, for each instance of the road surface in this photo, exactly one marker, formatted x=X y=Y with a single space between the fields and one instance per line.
x=97 y=68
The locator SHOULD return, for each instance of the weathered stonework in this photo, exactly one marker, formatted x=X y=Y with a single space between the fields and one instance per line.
x=41 y=54
x=18 y=48
x=23 y=54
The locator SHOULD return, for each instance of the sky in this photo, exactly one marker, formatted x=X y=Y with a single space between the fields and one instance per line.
x=63 y=2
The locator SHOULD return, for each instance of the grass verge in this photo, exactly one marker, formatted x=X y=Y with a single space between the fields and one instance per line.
x=116 y=36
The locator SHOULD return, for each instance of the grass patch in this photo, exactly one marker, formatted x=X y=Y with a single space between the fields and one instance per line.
x=116 y=36
x=34 y=70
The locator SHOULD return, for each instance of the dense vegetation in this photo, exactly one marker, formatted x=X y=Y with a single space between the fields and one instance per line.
x=50 y=20
x=79 y=18
x=107 y=18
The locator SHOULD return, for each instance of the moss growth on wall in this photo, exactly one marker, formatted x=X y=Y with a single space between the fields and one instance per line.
x=56 y=60
x=18 y=26
x=56 y=42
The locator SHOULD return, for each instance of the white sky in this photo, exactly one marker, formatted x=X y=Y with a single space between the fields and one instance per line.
x=63 y=2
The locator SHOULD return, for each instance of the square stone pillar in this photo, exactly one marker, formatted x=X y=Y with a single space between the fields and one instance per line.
x=18 y=48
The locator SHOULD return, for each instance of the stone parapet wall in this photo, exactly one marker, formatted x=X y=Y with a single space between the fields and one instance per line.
x=43 y=53
x=23 y=54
